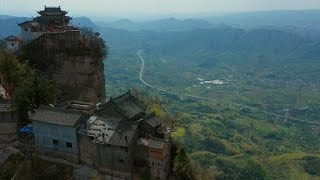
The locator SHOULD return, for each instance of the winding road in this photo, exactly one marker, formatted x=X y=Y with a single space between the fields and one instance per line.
x=139 y=53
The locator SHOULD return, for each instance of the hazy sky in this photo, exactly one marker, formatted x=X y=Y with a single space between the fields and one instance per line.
x=156 y=7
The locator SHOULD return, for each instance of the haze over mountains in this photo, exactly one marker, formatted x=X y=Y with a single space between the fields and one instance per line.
x=285 y=34
x=290 y=20
x=266 y=60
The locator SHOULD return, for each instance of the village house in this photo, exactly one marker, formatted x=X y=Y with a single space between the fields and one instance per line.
x=118 y=138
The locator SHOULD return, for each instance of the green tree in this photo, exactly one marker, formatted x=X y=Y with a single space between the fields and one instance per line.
x=10 y=72
x=27 y=87
x=94 y=41
x=181 y=163
x=33 y=90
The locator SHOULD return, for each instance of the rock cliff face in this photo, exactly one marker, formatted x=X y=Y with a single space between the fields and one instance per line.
x=80 y=77
x=77 y=68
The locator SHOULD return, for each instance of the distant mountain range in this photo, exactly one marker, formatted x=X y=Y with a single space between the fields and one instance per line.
x=83 y=22
x=269 y=18
x=193 y=37
x=267 y=44
x=9 y=25
x=170 y=24
x=304 y=22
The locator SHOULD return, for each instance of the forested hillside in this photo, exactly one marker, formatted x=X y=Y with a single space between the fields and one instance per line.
x=268 y=70
x=262 y=117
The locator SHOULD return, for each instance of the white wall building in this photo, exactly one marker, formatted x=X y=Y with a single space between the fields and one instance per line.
x=12 y=43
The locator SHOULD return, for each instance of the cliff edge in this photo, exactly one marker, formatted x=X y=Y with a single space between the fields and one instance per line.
x=73 y=60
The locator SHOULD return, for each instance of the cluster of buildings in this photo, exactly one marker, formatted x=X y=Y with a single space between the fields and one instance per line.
x=118 y=137
x=51 y=21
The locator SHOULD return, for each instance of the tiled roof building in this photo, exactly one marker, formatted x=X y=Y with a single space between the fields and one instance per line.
x=118 y=138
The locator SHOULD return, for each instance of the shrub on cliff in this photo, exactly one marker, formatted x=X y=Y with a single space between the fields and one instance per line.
x=26 y=86
x=94 y=41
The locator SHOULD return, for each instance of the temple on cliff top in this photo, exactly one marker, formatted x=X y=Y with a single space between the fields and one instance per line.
x=72 y=59
x=118 y=138
x=50 y=20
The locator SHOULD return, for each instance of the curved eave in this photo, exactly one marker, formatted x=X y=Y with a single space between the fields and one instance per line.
x=52 y=13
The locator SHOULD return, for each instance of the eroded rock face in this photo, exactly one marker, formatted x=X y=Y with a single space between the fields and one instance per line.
x=76 y=67
x=80 y=78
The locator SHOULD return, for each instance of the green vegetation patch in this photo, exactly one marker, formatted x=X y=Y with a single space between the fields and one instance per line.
x=312 y=165
x=240 y=168
x=179 y=133
x=218 y=146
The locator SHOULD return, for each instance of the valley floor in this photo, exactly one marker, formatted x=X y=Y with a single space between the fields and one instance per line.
x=255 y=123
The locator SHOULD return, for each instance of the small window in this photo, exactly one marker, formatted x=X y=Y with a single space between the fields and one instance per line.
x=158 y=164
x=69 y=145
x=121 y=160
x=12 y=44
x=55 y=142
x=25 y=29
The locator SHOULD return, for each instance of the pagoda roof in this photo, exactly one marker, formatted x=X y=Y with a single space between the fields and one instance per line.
x=50 y=18
x=52 y=11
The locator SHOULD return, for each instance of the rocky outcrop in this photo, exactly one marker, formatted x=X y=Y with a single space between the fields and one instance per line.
x=80 y=78
x=77 y=68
